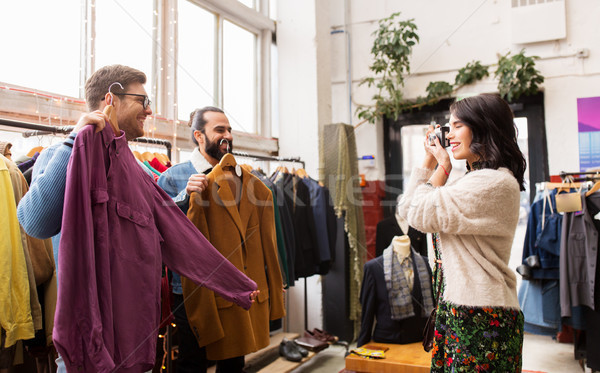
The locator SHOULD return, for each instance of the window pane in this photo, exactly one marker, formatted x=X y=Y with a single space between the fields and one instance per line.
x=39 y=50
x=196 y=58
x=239 y=77
x=124 y=36
x=274 y=92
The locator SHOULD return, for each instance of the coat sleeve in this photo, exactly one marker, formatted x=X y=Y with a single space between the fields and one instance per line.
x=186 y=251
x=483 y=202
x=268 y=239
x=368 y=301
x=78 y=321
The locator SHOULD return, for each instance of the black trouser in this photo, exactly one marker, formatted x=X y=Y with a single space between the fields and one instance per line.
x=191 y=358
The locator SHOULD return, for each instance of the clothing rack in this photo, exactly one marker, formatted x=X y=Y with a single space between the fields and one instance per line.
x=269 y=158
x=596 y=175
x=42 y=129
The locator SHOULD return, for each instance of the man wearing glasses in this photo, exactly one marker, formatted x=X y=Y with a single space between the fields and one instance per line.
x=41 y=209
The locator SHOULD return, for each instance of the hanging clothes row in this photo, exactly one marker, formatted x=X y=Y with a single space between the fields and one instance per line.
x=560 y=281
x=29 y=279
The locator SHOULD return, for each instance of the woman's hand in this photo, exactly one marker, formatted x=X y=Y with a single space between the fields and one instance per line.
x=435 y=153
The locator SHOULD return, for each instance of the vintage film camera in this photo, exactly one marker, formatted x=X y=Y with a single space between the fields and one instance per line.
x=441 y=133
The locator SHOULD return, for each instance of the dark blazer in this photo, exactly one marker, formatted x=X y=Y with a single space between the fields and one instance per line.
x=324 y=225
x=388 y=228
x=376 y=306
x=297 y=196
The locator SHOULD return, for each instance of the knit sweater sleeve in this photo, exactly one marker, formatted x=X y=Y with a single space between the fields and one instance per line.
x=482 y=202
x=40 y=210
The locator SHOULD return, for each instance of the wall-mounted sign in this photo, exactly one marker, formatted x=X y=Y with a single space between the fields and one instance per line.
x=588 y=118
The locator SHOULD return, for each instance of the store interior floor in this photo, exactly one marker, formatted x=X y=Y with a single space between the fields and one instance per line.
x=541 y=354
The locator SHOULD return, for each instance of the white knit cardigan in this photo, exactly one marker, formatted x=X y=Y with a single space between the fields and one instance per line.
x=476 y=217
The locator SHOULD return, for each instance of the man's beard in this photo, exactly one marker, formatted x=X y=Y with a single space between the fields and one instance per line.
x=213 y=149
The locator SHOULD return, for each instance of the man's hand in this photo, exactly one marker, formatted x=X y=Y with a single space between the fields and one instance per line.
x=254 y=295
x=196 y=183
x=95 y=118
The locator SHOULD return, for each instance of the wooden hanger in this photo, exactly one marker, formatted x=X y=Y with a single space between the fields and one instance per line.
x=594 y=189
x=301 y=173
x=138 y=156
x=562 y=186
x=228 y=160
x=147 y=156
x=162 y=158
x=110 y=112
x=35 y=150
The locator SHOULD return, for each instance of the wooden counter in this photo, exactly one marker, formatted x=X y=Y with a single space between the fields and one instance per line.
x=407 y=358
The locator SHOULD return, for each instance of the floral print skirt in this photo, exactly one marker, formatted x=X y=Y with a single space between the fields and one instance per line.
x=474 y=339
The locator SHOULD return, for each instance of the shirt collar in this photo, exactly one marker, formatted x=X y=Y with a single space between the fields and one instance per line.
x=199 y=162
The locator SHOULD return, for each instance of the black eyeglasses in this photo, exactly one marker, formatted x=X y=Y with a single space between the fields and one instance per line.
x=145 y=104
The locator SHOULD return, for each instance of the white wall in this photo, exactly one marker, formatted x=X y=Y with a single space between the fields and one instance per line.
x=304 y=107
x=453 y=33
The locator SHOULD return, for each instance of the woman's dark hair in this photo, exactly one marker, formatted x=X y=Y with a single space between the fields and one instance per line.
x=494 y=133
x=197 y=121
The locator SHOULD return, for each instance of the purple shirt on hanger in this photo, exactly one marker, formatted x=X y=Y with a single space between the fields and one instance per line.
x=118 y=228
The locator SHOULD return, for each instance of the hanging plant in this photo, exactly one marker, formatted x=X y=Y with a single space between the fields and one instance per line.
x=391 y=51
x=392 y=47
x=517 y=76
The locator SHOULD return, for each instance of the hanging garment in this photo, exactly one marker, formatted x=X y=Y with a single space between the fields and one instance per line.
x=338 y=147
x=155 y=163
x=28 y=163
x=297 y=195
x=244 y=233
x=32 y=248
x=287 y=227
x=281 y=250
x=578 y=255
x=374 y=298
x=15 y=310
x=542 y=238
x=118 y=228
x=324 y=218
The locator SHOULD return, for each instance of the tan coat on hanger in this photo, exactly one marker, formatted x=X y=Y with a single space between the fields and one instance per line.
x=245 y=234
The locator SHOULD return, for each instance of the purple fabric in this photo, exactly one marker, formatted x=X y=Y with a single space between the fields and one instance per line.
x=118 y=227
x=24 y=166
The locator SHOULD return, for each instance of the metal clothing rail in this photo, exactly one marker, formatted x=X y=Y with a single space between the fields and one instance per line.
x=43 y=129
x=270 y=158
x=584 y=176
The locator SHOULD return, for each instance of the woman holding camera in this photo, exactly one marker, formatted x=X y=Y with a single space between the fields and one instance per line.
x=479 y=326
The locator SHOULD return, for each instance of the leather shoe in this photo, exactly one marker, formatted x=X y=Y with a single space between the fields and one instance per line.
x=325 y=336
x=289 y=350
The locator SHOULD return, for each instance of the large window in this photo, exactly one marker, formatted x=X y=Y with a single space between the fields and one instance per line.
x=124 y=35
x=39 y=49
x=194 y=53
x=195 y=58
x=239 y=77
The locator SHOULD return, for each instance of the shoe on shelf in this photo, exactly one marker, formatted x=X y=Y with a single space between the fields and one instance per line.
x=289 y=350
x=303 y=351
x=325 y=336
